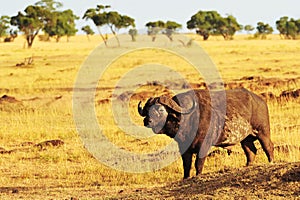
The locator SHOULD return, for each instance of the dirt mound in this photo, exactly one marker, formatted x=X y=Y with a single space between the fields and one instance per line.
x=8 y=99
x=10 y=104
x=276 y=181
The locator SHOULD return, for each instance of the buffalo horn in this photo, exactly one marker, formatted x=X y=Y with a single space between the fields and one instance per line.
x=173 y=105
x=140 y=109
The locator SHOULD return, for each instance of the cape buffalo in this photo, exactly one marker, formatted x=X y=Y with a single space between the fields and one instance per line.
x=196 y=121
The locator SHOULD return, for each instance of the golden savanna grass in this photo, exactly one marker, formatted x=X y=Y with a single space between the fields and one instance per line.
x=44 y=112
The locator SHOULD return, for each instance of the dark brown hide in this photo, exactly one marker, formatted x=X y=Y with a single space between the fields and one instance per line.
x=246 y=120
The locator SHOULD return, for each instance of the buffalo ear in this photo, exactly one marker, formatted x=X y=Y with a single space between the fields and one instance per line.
x=174 y=117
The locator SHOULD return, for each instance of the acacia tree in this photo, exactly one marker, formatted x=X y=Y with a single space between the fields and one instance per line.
x=249 y=28
x=116 y=21
x=204 y=22
x=263 y=30
x=70 y=26
x=168 y=28
x=88 y=31
x=209 y=23
x=30 y=22
x=61 y=23
x=4 y=25
x=112 y=19
x=58 y=23
x=227 y=27
x=288 y=28
x=154 y=28
x=97 y=15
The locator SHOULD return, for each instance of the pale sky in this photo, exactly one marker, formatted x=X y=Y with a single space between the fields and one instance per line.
x=143 y=11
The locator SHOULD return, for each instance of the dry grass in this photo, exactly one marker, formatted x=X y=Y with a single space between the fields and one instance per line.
x=45 y=112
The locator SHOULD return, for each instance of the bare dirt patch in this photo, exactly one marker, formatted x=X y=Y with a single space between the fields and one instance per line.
x=276 y=181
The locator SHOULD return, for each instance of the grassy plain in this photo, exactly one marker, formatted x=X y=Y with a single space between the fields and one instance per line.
x=43 y=111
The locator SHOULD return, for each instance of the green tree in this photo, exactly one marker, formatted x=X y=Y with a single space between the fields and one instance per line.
x=263 y=30
x=297 y=22
x=133 y=33
x=4 y=25
x=287 y=27
x=209 y=23
x=30 y=22
x=88 y=31
x=249 y=28
x=61 y=23
x=205 y=23
x=51 y=6
x=227 y=27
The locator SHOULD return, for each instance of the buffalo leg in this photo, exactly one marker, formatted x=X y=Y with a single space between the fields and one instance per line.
x=187 y=162
x=267 y=146
x=249 y=148
x=199 y=163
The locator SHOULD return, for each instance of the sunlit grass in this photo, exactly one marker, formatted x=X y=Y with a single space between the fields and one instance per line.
x=50 y=80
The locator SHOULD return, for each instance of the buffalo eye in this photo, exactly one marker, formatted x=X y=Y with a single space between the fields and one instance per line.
x=161 y=110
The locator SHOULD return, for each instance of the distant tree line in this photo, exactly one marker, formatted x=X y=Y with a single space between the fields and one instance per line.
x=47 y=16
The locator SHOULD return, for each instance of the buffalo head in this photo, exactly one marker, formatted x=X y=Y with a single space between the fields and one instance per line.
x=157 y=110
